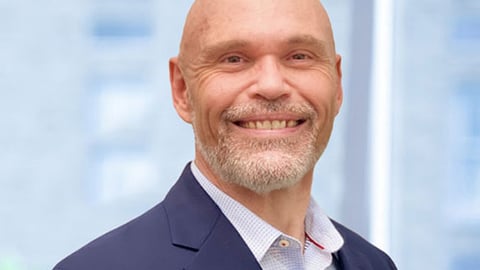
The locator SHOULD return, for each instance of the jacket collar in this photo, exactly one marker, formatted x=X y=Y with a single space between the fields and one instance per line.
x=197 y=224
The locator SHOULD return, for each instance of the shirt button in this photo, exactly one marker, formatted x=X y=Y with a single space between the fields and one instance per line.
x=284 y=243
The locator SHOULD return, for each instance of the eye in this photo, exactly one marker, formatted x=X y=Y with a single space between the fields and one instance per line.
x=299 y=56
x=233 y=59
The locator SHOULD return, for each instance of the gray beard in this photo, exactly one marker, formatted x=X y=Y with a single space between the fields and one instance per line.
x=262 y=165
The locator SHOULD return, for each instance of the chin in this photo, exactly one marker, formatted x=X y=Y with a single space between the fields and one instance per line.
x=264 y=172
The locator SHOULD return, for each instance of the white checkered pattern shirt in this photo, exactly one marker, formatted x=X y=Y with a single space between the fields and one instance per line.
x=273 y=249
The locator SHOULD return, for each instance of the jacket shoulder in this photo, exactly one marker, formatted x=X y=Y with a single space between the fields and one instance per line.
x=142 y=243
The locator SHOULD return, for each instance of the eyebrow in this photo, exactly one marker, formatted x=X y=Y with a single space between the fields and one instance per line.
x=310 y=41
x=219 y=48
x=215 y=50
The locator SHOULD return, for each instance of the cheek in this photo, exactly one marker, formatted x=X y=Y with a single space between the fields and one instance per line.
x=319 y=90
x=211 y=97
x=218 y=91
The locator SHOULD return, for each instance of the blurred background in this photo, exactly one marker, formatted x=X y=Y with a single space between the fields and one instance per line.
x=89 y=138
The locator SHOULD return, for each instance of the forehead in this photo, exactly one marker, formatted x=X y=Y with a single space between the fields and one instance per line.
x=222 y=20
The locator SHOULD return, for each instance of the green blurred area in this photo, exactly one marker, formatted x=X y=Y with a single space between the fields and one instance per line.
x=7 y=263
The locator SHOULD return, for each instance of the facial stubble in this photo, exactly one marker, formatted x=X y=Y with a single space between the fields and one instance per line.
x=263 y=164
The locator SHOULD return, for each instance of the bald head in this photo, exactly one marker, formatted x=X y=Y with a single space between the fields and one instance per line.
x=215 y=20
x=245 y=63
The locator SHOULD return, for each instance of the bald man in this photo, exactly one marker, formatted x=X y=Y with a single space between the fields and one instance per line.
x=260 y=83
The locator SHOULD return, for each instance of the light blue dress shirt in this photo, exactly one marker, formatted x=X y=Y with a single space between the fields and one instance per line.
x=273 y=249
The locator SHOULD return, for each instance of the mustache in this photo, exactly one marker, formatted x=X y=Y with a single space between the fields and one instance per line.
x=303 y=110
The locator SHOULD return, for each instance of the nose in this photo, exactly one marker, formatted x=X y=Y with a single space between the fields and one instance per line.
x=270 y=81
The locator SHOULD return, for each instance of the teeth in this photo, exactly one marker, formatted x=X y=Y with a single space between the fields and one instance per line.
x=275 y=124
x=264 y=125
x=292 y=123
x=278 y=124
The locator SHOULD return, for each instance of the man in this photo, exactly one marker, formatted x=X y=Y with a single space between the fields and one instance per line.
x=260 y=82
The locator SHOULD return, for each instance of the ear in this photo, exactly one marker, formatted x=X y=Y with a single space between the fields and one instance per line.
x=339 y=94
x=181 y=100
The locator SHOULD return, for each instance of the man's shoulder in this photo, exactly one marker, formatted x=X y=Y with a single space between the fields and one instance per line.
x=165 y=237
x=357 y=248
x=145 y=239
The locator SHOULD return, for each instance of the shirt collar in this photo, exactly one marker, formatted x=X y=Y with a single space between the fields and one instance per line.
x=320 y=229
x=258 y=234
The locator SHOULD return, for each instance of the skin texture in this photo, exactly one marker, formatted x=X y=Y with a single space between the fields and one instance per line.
x=248 y=61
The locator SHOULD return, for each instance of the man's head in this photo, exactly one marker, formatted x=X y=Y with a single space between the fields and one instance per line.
x=260 y=82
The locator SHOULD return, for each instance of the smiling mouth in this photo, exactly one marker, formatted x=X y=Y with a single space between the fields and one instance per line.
x=269 y=125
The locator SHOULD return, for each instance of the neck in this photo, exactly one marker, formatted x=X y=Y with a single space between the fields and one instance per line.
x=284 y=209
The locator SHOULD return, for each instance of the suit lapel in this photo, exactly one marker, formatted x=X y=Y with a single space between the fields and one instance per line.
x=224 y=249
x=348 y=257
x=196 y=223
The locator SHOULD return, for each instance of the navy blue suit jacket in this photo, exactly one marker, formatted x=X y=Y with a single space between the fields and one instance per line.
x=188 y=231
